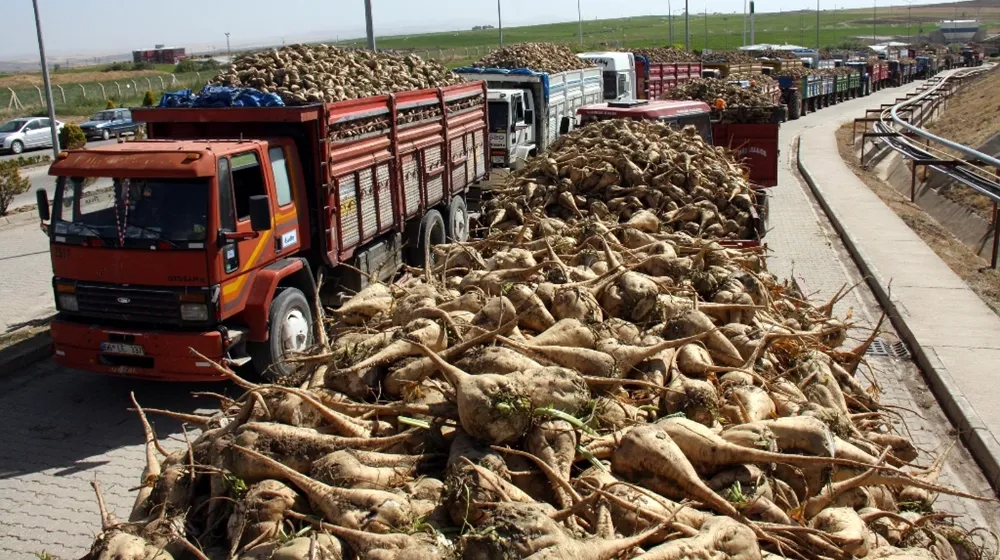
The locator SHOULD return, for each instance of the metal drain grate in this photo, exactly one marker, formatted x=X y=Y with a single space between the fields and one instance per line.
x=900 y=350
x=880 y=347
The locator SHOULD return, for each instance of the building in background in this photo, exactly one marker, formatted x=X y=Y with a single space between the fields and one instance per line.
x=959 y=30
x=159 y=54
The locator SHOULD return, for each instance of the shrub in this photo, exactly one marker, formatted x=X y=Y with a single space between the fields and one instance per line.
x=191 y=65
x=11 y=184
x=110 y=105
x=71 y=137
x=148 y=100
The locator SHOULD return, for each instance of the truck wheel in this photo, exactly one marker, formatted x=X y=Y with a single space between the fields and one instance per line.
x=431 y=232
x=290 y=328
x=458 y=219
x=794 y=105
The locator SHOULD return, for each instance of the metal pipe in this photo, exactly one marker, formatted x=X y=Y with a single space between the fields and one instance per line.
x=48 y=85
x=893 y=112
x=817 y=25
x=500 y=22
x=579 y=19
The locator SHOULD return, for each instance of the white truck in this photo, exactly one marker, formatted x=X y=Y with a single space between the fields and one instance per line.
x=528 y=110
x=618 y=72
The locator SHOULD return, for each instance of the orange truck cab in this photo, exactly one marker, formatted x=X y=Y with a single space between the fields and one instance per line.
x=212 y=235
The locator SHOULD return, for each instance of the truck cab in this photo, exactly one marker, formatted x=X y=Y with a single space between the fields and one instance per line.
x=618 y=73
x=512 y=126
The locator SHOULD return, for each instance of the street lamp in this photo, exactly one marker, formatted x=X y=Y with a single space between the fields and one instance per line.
x=579 y=19
x=229 y=52
x=874 y=19
x=369 y=25
x=48 y=85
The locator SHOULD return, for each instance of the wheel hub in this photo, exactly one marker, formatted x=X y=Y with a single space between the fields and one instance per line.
x=294 y=331
x=460 y=227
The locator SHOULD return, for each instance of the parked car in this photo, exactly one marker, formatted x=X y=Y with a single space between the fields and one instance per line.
x=30 y=132
x=108 y=123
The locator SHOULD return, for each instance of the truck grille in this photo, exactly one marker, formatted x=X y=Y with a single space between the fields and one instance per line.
x=115 y=302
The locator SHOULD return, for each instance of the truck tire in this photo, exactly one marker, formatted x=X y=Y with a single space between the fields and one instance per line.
x=794 y=105
x=429 y=233
x=289 y=327
x=458 y=219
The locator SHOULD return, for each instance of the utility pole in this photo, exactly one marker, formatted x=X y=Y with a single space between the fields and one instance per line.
x=706 y=27
x=369 y=25
x=687 y=27
x=229 y=51
x=500 y=22
x=579 y=18
x=744 y=23
x=48 y=85
x=753 y=38
x=817 y=25
x=874 y=19
x=670 y=22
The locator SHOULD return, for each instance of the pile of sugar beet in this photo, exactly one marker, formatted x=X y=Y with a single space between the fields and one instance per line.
x=596 y=376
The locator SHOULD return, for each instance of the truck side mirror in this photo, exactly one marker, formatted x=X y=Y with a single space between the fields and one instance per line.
x=260 y=213
x=42 y=199
x=564 y=125
x=529 y=116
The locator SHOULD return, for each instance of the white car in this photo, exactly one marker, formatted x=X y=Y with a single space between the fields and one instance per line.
x=30 y=132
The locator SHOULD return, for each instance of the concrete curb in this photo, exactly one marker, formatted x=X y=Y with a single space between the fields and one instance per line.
x=26 y=352
x=981 y=443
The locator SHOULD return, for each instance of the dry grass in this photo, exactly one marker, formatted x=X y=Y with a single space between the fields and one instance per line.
x=18 y=81
x=962 y=260
x=972 y=118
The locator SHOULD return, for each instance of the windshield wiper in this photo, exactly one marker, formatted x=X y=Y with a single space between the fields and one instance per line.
x=159 y=235
x=88 y=227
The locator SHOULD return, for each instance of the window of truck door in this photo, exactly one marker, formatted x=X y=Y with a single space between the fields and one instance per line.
x=238 y=258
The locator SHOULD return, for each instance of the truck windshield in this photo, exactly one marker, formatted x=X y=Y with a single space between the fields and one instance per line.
x=499 y=116
x=131 y=212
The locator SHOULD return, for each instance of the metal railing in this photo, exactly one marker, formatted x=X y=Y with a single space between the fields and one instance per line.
x=906 y=136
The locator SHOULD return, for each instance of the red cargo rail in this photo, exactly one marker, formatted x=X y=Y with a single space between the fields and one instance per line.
x=656 y=78
x=373 y=163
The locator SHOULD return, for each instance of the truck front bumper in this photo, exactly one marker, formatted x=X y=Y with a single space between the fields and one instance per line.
x=161 y=355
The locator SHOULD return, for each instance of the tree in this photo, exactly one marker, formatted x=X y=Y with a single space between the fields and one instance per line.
x=110 y=104
x=11 y=184
x=148 y=100
x=71 y=137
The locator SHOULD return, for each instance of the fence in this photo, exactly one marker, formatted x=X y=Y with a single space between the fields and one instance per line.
x=27 y=100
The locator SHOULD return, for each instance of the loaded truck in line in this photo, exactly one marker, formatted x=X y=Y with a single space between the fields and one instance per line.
x=528 y=110
x=756 y=145
x=213 y=234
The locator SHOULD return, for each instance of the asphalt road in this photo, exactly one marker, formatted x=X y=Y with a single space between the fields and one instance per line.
x=39 y=175
x=48 y=151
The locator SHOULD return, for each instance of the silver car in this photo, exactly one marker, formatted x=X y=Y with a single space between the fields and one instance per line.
x=30 y=132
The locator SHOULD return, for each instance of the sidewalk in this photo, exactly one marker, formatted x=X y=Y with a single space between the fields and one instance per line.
x=25 y=275
x=953 y=334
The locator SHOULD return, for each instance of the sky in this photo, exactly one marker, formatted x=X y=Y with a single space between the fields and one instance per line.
x=91 y=28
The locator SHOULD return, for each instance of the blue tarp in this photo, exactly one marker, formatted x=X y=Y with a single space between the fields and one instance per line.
x=221 y=96
x=507 y=71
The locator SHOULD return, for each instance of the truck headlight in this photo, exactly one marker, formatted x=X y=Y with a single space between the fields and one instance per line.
x=194 y=312
x=67 y=302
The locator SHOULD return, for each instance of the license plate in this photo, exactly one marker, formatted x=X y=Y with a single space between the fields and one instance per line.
x=122 y=348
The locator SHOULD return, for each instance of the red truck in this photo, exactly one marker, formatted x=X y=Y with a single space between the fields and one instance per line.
x=878 y=72
x=653 y=79
x=213 y=234
x=755 y=144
